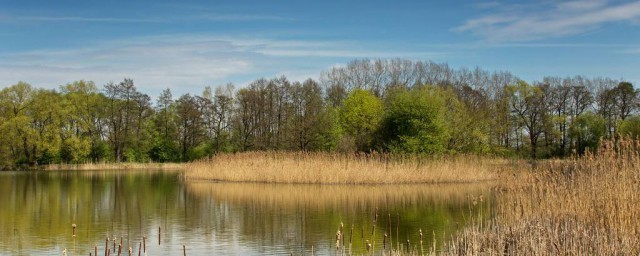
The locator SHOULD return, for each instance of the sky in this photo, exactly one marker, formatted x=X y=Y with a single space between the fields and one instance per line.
x=187 y=45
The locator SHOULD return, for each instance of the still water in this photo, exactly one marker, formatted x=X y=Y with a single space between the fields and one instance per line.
x=37 y=210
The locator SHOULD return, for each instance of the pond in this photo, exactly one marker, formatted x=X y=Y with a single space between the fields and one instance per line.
x=38 y=210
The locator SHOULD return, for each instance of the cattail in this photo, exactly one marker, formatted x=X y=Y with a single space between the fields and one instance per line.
x=184 y=249
x=350 y=239
x=375 y=218
x=159 y=234
x=421 y=248
x=119 y=249
x=139 y=248
x=373 y=230
x=384 y=241
x=130 y=251
x=408 y=246
x=96 y=250
x=64 y=252
x=368 y=246
x=338 y=240
x=114 y=243
x=106 y=247
x=144 y=244
x=73 y=228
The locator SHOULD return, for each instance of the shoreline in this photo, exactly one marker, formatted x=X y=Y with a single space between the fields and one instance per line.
x=113 y=166
x=210 y=181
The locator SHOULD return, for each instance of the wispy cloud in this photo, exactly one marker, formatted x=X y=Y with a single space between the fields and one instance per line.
x=241 y=17
x=631 y=51
x=85 y=19
x=184 y=63
x=215 y=17
x=512 y=23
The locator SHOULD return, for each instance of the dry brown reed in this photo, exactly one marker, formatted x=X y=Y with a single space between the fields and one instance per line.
x=335 y=168
x=114 y=166
x=582 y=206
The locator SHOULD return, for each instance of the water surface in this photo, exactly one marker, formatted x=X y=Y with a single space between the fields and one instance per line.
x=38 y=209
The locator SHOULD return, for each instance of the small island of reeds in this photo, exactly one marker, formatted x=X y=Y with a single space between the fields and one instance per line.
x=337 y=168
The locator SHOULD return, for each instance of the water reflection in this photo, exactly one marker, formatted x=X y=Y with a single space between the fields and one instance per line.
x=223 y=218
x=303 y=216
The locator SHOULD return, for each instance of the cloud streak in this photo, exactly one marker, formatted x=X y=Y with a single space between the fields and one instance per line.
x=513 y=23
x=212 y=17
x=184 y=63
x=85 y=19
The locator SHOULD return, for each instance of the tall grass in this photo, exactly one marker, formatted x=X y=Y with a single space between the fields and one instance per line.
x=583 y=206
x=334 y=168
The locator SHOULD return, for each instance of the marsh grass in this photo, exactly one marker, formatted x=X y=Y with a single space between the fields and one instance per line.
x=581 y=206
x=335 y=168
x=114 y=166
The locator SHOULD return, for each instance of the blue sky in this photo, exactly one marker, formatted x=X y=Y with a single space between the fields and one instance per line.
x=186 y=45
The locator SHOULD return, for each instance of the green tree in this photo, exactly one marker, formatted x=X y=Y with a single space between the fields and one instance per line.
x=529 y=109
x=586 y=130
x=630 y=127
x=361 y=116
x=83 y=119
x=626 y=99
x=308 y=121
x=127 y=114
x=164 y=147
x=190 y=125
x=415 y=121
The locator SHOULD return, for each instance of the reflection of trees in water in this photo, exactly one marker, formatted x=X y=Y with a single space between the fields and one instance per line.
x=38 y=210
x=306 y=215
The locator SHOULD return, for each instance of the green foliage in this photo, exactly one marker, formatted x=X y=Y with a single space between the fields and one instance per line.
x=415 y=121
x=586 y=130
x=360 y=117
x=75 y=150
x=466 y=131
x=630 y=127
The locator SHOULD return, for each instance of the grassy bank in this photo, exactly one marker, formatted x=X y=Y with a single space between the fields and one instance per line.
x=583 y=206
x=333 y=168
x=114 y=166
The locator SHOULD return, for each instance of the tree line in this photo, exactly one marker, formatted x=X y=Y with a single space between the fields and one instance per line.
x=397 y=106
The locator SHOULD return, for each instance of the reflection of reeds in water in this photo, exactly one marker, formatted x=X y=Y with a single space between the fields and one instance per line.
x=333 y=168
x=114 y=166
x=327 y=196
x=371 y=211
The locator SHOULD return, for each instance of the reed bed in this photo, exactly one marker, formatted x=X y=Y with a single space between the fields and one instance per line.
x=114 y=166
x=581 y=206
x=335 y=168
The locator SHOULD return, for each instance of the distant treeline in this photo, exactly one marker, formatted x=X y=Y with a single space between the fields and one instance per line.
x=397 y=106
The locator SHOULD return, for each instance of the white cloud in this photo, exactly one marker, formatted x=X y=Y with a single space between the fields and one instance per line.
x=86 y=19
x=185 y=63
x=531 y=22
